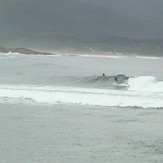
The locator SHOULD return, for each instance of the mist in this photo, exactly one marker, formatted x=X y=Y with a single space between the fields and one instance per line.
x=59 y=24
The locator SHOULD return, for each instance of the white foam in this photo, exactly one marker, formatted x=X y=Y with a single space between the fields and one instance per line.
x=148 y=57
x=80 y=96
x=9 y=55
x=103 y=56
x=145 y=83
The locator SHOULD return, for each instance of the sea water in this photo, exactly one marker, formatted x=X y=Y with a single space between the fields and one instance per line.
x=61 y=108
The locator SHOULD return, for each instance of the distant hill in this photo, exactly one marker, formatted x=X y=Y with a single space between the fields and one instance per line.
x=21 y=51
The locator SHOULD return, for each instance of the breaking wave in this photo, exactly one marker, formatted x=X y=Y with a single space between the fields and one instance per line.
x=145 y=84
x=142 y=91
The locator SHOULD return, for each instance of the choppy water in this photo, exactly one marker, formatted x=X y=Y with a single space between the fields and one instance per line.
x=61 y=109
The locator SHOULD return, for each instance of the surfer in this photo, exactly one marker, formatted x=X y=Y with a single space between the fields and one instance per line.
x=121 y=78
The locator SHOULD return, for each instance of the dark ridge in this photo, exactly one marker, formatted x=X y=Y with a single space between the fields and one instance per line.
x=26 y=51
x=21 y=51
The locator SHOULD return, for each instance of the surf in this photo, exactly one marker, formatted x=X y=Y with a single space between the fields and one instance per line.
x=136 y=94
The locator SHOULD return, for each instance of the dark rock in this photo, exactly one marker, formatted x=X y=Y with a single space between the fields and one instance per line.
x=21 y=51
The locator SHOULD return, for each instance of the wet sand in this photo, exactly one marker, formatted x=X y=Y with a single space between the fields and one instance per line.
x=32 y=133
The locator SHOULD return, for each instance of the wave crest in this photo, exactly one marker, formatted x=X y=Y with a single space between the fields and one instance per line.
x=145 y=83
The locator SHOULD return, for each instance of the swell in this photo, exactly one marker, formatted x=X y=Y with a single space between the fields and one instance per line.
x=88 y=81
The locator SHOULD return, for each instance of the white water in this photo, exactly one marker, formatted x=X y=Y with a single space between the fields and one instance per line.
x=145 y=92
x=145 y=83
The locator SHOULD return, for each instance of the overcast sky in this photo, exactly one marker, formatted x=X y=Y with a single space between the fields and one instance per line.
x=53 y=22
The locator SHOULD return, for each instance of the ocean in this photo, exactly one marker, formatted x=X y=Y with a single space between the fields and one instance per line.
x=62 y=108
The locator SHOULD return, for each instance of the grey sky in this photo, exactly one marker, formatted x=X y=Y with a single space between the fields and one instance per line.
x=49 y=22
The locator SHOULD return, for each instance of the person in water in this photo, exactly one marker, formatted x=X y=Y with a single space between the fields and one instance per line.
x=103 y=74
